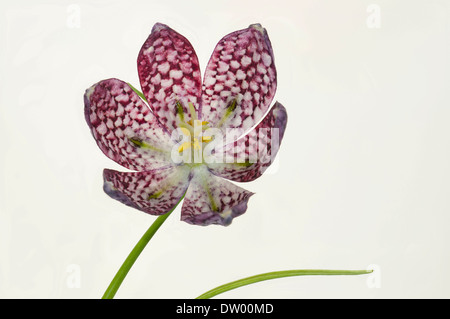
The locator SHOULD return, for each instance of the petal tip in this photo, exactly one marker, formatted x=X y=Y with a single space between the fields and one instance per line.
x=280 y=113
x=114 y=193
x=223 y=218
x=238 y=210
x=89 y=91
x=258 y=27
x=280 y=119
x=159 y=26
x=87 y=104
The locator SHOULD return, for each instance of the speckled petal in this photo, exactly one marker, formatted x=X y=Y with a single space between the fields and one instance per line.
x=248 y=157
x=169 y=73
x=124 y=127
x=154 y=192
x=240 y=79
x=213 y=200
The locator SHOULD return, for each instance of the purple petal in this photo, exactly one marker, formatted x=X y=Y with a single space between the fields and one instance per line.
x=240 y=79
x=154 y=192
x=213 y=200
x=124 y=127
x=169 y=73
x=248 y=157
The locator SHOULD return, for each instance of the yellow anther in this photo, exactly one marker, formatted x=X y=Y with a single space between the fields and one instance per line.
x=192 y=124
x=184 y=146
x=185 y=131
x=193 y=130
x=196 y=144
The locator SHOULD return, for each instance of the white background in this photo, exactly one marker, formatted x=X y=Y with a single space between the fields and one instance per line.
x=363 y=178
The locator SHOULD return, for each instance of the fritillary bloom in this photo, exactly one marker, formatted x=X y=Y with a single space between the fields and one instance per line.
x=145 y=133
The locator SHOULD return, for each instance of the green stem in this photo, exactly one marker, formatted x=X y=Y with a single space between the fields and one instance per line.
x=278 y=274
x=134 y=254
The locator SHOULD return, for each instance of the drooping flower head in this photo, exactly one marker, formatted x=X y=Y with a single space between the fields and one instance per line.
x=192 y=136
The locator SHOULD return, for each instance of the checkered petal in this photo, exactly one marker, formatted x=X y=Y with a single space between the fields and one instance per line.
x=248 y=157
x=154 y=192
x=169 y=73
x=124 y=127
x=240 y=79
x=213 y=200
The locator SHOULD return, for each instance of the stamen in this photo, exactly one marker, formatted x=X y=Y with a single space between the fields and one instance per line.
x=192 y=110
x=197 y=128
x=185 y=131
x=184 y=146
x=196 y=144
x=180 y=110
x=204 y=123
x=193 y=129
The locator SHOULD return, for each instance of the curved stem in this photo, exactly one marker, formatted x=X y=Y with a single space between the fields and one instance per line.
x=134 y=254
x=278 y=274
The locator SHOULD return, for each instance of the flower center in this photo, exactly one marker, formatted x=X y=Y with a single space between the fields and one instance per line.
x=192 y=131
x=193 y=136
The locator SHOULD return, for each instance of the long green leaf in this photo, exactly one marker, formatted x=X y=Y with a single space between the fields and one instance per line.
x=279 y=274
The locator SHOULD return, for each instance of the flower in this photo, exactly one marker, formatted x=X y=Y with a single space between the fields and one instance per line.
x=237 y=90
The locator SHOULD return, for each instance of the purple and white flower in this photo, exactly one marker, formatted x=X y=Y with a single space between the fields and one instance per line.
x=236 y=93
